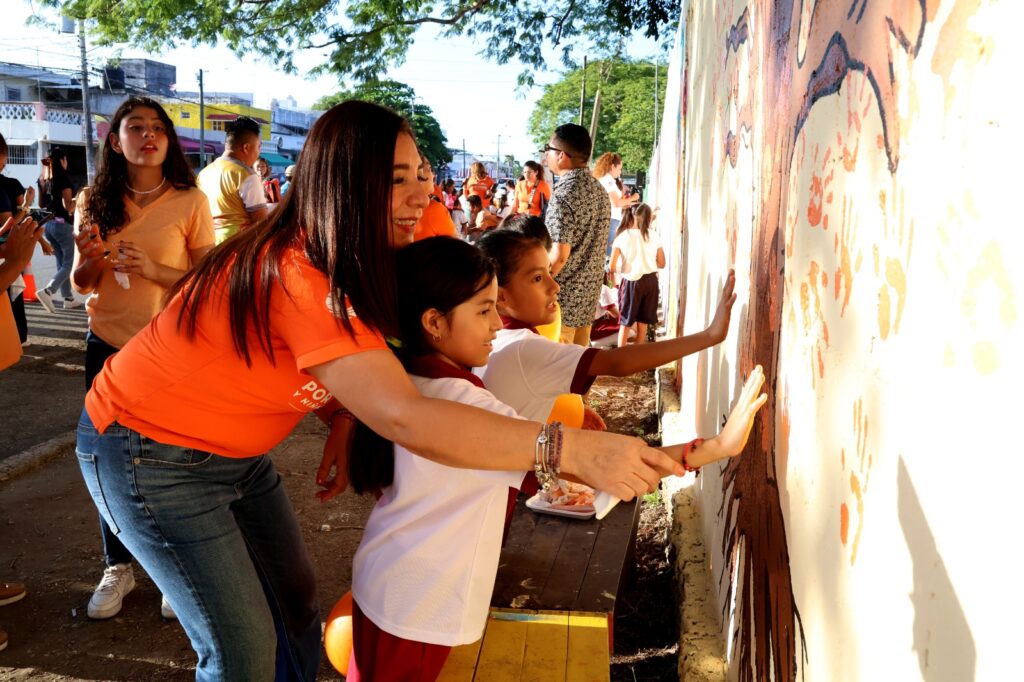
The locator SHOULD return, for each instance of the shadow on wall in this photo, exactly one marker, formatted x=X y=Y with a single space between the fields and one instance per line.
x=942 y=637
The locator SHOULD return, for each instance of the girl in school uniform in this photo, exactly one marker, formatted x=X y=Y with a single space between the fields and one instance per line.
x=425 y=569
x=637 y=258
x=527 y=371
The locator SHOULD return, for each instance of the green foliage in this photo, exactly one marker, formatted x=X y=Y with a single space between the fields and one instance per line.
x=402 y=99
x=366 y=37
x=626 y=118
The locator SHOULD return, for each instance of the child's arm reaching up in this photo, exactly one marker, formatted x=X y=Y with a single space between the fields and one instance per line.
x=621 y=362
x=729 y=443
x=733 y=437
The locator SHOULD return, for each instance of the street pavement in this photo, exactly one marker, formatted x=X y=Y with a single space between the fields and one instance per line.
x=41 y=396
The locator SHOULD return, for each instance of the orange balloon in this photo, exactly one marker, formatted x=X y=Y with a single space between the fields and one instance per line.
x=338 y=634
x=568 y=409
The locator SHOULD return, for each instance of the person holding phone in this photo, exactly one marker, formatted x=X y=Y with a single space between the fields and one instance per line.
x=56 y=194
x=140 y=227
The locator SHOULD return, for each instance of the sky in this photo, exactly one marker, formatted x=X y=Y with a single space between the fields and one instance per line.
x=473 y=99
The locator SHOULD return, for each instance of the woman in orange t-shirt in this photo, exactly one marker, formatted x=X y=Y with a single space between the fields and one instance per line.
x=286 y=318
x=479 y=183
x=532 y=192
x=436 y=221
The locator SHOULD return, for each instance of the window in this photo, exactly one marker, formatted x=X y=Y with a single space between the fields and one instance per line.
x=21 y=155
x=13 y=94
x=186 y=115
x=217 y=125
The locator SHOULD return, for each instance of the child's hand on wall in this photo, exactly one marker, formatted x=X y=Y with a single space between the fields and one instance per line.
x=733 y=438
x=719 y=326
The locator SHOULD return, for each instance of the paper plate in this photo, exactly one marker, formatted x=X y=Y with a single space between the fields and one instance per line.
x=541 y=507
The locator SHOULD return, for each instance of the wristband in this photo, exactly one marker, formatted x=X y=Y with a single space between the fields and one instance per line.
x=687 y=449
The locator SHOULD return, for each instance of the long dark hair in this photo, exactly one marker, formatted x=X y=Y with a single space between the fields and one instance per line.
x=105 y=206
x=338 y=211
x=638 y=216
x=435 y=273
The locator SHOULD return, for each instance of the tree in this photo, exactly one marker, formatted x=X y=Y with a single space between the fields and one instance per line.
x=626 y=118
x=366 y=37
x=402 y=99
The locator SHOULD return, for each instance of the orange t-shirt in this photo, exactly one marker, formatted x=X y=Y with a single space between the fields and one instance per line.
x=436 y=221
x=523 y=190
x=200 y=394
x=479 y=188
x=438 y=192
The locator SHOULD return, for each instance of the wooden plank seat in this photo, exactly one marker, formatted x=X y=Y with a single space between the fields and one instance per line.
x=554 y=600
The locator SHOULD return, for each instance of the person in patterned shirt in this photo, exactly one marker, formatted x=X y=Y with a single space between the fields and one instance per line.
x=578 y=218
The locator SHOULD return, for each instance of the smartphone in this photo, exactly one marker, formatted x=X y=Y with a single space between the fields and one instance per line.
x=40 y=215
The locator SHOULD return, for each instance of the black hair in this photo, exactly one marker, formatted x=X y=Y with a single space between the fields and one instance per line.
x=337 y=212
x=3 y=146
x=575 y=140
x=435 y=273
x=105 y=206
x=536 y=168
x=240 y=131
x=506 y=248
x=530 y=225
x=474 y=201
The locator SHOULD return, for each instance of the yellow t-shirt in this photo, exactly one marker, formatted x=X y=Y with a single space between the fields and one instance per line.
x=234 y=190
x=167 y=229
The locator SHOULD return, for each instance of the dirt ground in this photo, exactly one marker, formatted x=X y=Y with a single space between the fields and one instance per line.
x=49 y=540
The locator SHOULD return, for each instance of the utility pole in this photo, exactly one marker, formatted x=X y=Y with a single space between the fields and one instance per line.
x=465 y=173
x=583 y=89
x=90 y=151
x=497 y=159
x=202 y=123
x=655 y=103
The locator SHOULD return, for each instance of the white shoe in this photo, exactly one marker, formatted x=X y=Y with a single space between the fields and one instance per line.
x=72 y=303
x=118 y=580
x=166 y=610
x=46 y=299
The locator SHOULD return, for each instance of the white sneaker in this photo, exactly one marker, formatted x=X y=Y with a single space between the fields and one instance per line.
x=118 y=581
x=166 y=610
x=46 y=299
x=72 y=303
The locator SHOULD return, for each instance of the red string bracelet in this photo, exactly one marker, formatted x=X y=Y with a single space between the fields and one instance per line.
x=687 y=449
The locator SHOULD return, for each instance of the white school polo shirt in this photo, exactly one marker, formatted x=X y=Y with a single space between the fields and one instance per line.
x=639 y=255
x=528 y=372
x=426 y=565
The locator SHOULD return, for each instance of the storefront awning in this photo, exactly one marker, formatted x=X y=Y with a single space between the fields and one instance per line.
x=190 y=146
x=276 y=160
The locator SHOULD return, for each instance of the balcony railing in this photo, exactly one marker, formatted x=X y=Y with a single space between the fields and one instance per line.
x=37 y=111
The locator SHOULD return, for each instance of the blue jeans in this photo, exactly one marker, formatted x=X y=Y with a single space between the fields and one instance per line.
x=221 y=541
x=611 y=234
x=61 y=236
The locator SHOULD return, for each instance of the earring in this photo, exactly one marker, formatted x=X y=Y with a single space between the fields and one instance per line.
x=437 y=339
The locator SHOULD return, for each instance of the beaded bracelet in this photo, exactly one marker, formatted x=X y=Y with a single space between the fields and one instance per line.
x=547 y=457
x=342 y=412
x=687 y=449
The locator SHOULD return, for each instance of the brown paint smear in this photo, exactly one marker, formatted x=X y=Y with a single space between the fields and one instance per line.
x=842 y=37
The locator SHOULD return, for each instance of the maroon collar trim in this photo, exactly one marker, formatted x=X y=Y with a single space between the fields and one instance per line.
x=432 y=367
x=512 y=323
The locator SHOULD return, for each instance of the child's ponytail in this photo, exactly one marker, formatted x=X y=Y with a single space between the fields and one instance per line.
x=642 y=215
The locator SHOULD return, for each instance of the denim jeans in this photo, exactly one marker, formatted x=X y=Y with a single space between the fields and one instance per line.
x=611 y=234
x=221 y=541
x=61 y=236
x=96 y=353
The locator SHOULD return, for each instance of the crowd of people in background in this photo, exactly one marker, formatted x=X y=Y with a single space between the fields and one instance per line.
x=224 y=307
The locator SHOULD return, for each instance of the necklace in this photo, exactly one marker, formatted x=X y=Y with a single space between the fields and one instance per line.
x=148 y=191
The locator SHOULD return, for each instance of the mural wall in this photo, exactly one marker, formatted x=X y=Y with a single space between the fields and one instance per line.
x=857 y=163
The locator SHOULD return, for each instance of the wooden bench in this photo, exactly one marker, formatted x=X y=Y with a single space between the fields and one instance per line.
x=554 y=600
